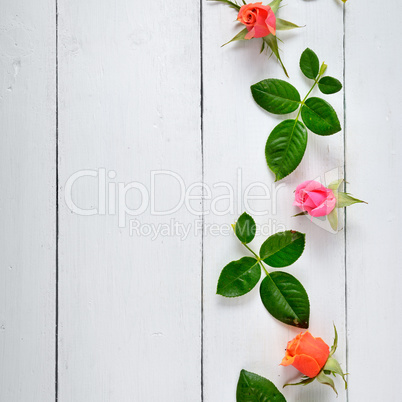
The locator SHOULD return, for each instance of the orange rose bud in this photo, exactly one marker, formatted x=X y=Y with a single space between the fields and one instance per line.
x=307 y=354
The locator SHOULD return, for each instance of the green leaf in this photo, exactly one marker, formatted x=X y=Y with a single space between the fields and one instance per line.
x=329 y=85
x=275 y=5
x=286 y=299
x=323 y=379
x=239 y=277
x=229 y=3
x=245 y=228
x=285 y=147
x=320 y=117
x=283 y=25
x=333 y=219
x=283 y=248
x=276 y=96
x=345 y=200
x=254 y=388
x=240 y=36
x=309 y=64
x=272 y=42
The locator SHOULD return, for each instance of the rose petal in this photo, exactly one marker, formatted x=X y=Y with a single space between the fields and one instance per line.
x=315 y=198
x=260 y=27
x=287 y=360
x=306 y=365
x=263 y=23
x=250 y=34
x=315 y=347
x=324 y=209
x=293 y=344
x=314 y=185
x=271 y=22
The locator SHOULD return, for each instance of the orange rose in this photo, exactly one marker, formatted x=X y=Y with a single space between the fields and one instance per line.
x=307 y=354
x=259 y=20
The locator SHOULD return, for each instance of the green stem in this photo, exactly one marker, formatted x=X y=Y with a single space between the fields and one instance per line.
x=262 y=266
x=257 y=257
x=311 y=89
x=251 y=251
x=322 y=70
x=254 y=254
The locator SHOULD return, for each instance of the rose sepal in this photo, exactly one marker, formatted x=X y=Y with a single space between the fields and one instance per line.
x=272 y=42
x=283 y=25
x=333 y=219
x=240 y=36
x=323 y=379
x=345 y=199
x=231 y=4
x=305 y=381
x=300 y=214
x=275 y=5
x=332 y=366
x=334 y=186
x=335 y=344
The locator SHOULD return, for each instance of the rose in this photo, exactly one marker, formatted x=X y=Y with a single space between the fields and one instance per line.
x=312 y=357
x=307 y=354
x=259 y=20
x=312 y=197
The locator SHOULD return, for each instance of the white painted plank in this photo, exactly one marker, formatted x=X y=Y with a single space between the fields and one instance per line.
x=130 y=306
x=374 y=149
x=240 y=333
x=27 y=200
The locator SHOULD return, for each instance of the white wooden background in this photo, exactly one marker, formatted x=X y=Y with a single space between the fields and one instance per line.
x=89 y=313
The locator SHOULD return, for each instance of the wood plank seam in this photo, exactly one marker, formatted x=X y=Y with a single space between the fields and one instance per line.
x=56 y=363
x=345 y=184
x=202 y=198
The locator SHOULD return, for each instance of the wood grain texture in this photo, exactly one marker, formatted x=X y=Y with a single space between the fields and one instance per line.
x=239 y=333
x=130 y=107
x=27 y=200
x=373 y=156
x=130 y=306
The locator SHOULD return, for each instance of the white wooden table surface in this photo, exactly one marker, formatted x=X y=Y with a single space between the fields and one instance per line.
x=111 y=96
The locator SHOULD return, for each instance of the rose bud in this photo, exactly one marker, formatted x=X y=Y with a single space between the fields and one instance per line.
x=317 y=200
x=259 y=20
x=312 y=357
x=307 y=354
x=314 y=198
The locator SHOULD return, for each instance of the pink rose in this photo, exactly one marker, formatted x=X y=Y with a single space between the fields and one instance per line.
x=259 y=20
x=312 y=197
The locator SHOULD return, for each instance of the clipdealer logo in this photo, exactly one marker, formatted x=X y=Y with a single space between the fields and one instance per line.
x=110 y=196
